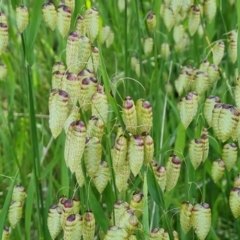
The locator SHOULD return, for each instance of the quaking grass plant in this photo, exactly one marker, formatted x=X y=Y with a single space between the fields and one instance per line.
x=119 y=119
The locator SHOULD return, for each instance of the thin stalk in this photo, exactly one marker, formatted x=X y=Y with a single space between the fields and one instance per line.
x=238 y=41
x=126 y=42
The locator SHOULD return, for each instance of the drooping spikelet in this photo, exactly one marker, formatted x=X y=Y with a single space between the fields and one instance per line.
x=63 y=19
x=213 y=73
x=218 y=168
x=229 y=155
x=185 y=216
x=128 y=221
x=168 y=18
x=72 y=52
x=215 y=118
x=58 y=66
x=151 y=22
x=196 y=152
x=129 y=115
x=74 y=144
x=133 y=62
x=80 y=26
x=156 y=233
x=57 y=77
x=183 y=81
x=101 y=177
x=110 y=39
x=173 y=168
x=188 y=108
x=161 y=176
x=92 y=155
x=100 y=104
x=49 y=14
x=15 y=213
x=200 y=83
x=117 y=233
x=205 y=143
x=165 y=50
x=136 y=203
x=18 y=194
x=147 y=46
x=54 y=221
x=70 y=4
x=79 y=175
x=135 y=154
x=6 y=233
x=3 y=71
x=88 y=225
x=88 y=89
x=201 y=220
x=119 y=208
x=234 y=201
x=208 y=108
x=237 y=93
x=73 y=116
x=67 y=210
x=92 y=23
x=148 y=148
x=76 y=205
x=232 y=46
x=186 y=6
x=104 y=33
x=95 y=127
x=122 y=176
x=210 y=9
x=193 y=19
x=22 y=17
x=176 y=5
x=93 y=61
x=72 y=228
x=236 y=182
x=178 y=33
x=218 y=52
x=3 y=36
x=58 y=111
x=84 y=51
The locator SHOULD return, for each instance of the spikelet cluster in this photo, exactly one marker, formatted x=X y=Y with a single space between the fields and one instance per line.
x=232 y=45
x=185 y=216
x=64 y=14
x=160 y=233
x=3 y=33
x=92 y=23
x=234 y=201
x=22 y=17
x=6 y=233
x=218 y=168
x=49 y=14
x=229 y=155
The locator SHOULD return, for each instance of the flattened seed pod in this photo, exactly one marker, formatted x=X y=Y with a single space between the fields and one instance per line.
x=133 y=62
x=80 y=26
x=15 y=213
x=185 y=216
x=74 y=145
x=6 y=233
x=169 y=18
x=110 y=39
x=22 y=17
x=165 y=50
x=200 y=82
x=84 y=51
x=100 y=104
x=119 y=152
x=215 y=118
x=234 y=201
x=67 y=210
x=70 y=4
x=57 y=77
x=161 y=176
x=128 y=221
x=73 y=116
x=148 y=46
x=104 y=33
x=183 y=81
x=178 y=33
x=88 y=225
x=210 y=9
x=135 y=154
x=79 y=175
x=229 y=155
x=144 y=116
x=218 y=168
x=88 y=89
x=54 y=221
x=166 y=235
x=213 y=73
x=102 y=177
x=76 y=205
x=129 y=115
x=218 y=52
x=3 y=36
x=173 y=168
x=186 y=6
x=137 y=68
x=136 y=203
x=119 y=208
x=208 y=108
x=117 y=233
x=3 y=17
x=196 y=152
x=232 y=50
x=58 y=66
x=18 y=194
x=176 y=5
x=122 y=175
x=61 y=200
x=49 y=14
x=72 y=52
x=92 y=23
x=58 y=111
x=237 y=93
x=63 y=19
x=201 y=220
x=69 y=227
x=92 y=155
x=151 y=22
x=236 y=182
x=193 y=19
x=205 y=143
x=3 y=71
x=93 y=61
x=148 y=148
x=156 y=233
x=204 y=65
x=95 y=127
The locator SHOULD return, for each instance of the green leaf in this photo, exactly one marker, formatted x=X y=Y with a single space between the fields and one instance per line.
x=145 y=208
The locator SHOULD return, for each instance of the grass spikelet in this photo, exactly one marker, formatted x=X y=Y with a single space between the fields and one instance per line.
x=178 y=33
x=218 y=52
x=193 y=19
x=204 y=65
x=196 y=152
x=76 y=205
x=148 y=148
x=165 y=50
x=57 y=77
x=173 y=168
x=115 y=232
x=210 y=9
x=200 y=82
x=58 y=66
x=215 y=118
x=49 y=14
x=104 y=33
x=119 y=208
x=201 y=220
x=79 y=175
x=161 y=176
x=136 y=203
x=3 y=37
x=151 y=22
x=110 y=39
x=176 y=5
x=234 y=201
x=95 y=127
x=54 y=221
x=73 y=116
x=128 y=221
x=147 y=46
x=67 y=210
x=183 y=82
x=70 y=227
x=185 y=216
x=92 y=155
x=102 y=177
x=22 y=17
x=84 y=51
x=63 y=19
x=80 y=26
x=156 y=233
x=92 y=23
x=213 y=73
x=121 y=5
x=218 y=168
x=169 y=18
x=229 y=155
x=135 y=154
x=205 y=142
x=236 y=182
x=93 y=61
x=70 y=4
x=88 y=225
x=122 y=175
x=6 y=233
x=15 y=213
x=19 y=194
